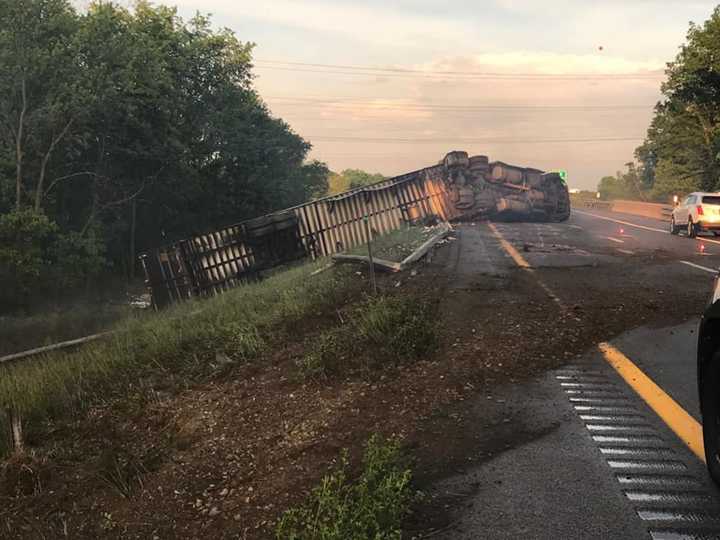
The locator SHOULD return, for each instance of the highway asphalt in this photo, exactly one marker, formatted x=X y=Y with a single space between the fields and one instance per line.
x=597 y=460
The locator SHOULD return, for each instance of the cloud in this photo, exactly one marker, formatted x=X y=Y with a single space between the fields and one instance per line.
x=546 y=62
x=360 y=22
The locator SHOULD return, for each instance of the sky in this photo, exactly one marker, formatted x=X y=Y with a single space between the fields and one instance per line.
x=390 y=86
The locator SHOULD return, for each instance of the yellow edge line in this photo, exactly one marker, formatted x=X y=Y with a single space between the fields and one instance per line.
x=507 y=246
x=677 y=419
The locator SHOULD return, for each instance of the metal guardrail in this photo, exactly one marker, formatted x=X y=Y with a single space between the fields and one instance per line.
x=640 y=208
x=54 y=347
x=605 y=205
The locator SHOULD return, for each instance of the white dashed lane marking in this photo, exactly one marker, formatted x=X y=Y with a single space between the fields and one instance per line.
x=699 y=267
x=614 y=239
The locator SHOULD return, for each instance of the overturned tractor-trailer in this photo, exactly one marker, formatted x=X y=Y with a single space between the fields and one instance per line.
x=459 y=187
x=479 y=187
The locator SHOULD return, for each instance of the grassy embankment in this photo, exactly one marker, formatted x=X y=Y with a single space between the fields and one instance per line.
x=203 y=339
x=183 y=344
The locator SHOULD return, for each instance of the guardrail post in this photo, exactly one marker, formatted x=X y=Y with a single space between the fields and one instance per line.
x=370 y=255
x=16 y=434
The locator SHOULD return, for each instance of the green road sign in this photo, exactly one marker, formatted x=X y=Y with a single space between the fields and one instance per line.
x=563 y=175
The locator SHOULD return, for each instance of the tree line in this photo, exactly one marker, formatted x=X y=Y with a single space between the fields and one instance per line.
x=122 y=129
x=681 y=152
x=351 y=179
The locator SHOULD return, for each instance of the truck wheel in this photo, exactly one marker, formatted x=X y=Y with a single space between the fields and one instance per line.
x=710 y=409
x=691 y=230
x=673 y=228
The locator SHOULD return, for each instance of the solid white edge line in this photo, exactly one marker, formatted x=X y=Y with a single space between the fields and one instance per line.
x=621 y=222
x=704 y=268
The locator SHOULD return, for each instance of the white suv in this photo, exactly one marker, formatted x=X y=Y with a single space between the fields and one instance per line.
x=698 y=212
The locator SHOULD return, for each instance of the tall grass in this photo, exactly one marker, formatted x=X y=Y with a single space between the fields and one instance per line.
x=381 y=331
x=184 y=343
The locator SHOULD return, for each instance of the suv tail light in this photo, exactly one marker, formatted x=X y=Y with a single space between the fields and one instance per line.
x=699 y=210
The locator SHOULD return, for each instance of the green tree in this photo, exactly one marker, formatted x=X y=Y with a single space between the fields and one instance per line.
x=626 y=185
x=671 y=179
x=351 y=179
x=40 y=88
x=682 y=148
x=612 y=187
x=337 y=183
x=358 y=178
x=129 y=128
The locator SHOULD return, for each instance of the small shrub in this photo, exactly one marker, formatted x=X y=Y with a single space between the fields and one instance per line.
x=381 y=331
x=325 y=356
x=243 y=341
x=370 y=507
x=123 y=470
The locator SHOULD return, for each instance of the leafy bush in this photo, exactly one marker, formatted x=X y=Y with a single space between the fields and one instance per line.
x=76 y=258
x=25 y=237
x=370 y=507
x=325 y=355
x=36 y=258
x=386 y=330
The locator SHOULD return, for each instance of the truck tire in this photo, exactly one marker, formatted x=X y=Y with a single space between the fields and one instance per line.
x=710 y=411
x=479 y=164
x=456 y=158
